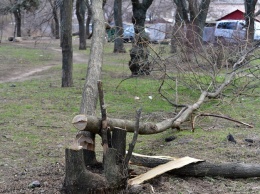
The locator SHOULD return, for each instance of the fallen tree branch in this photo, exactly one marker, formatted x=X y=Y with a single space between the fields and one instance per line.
x=219 y=116
x=93 y=124
x=201 y=169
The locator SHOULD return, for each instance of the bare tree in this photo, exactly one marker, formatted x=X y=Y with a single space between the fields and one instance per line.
x=16 y=7
x=139 y=63
x=190 y=15
x=119 y=43
x=80 y=12
x=56 y=26
x=66 y=42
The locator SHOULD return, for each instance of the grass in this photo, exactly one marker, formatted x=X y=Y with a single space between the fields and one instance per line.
x=35 y=115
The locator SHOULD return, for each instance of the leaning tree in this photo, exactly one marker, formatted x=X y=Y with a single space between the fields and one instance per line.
x=214 y=72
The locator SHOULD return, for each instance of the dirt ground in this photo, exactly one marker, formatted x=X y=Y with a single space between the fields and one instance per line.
x=51 y=173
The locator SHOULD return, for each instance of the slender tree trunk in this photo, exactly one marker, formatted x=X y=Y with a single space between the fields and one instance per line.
x=18 y=22
x=66 y=42
x=80 y=12
x=119 y=43
x=249 y=17
x=56 y=20
x=88 y=20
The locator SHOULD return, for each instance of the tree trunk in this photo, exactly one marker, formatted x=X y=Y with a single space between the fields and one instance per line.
x=66 y=42
x=200 y=169
x=90 y=91
x=119 y=43
x=18 y=22
x=77 y=177
x=80 y=12
x=139 y=64
x=88 y=20
x=249 y=17
x=56 y=20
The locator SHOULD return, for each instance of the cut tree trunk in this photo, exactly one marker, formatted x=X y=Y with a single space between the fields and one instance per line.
x=77 y=178
x=201 y=169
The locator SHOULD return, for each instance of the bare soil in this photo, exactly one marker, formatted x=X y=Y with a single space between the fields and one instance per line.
x=16 y=179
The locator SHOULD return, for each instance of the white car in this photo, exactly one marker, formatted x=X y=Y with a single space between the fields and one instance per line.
x=234 y=30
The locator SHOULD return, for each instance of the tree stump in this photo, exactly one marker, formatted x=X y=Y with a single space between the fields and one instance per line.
x=85 y=175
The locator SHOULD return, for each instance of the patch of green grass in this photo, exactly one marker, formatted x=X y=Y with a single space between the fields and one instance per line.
x=37 y=113
x=20 y=55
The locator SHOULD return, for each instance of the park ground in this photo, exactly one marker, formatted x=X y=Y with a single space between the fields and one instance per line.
x=36 y=114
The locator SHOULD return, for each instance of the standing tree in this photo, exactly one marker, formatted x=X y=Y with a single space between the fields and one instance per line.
x=88 y=20
x=66 y=42
x=16 y=7
x=193 y=15
x=56 y=25
x=139 y=53
x=249 y=17
x=80 y=12
x=119 y=43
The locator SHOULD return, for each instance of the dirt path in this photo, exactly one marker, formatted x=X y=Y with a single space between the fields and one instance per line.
x=16 y=75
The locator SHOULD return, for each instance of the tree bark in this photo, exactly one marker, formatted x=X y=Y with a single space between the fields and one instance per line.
x=249 y=17
x=200 y=169
x=80 y=12
x=66 y=42
x=139 y=64
x=119 y=43
x=18 y=21
x=90 y=91
x=77 y=177
x=56 y=20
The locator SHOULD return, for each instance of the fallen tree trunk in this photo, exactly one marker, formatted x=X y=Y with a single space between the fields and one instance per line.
x=200 y=169
x=93 y=123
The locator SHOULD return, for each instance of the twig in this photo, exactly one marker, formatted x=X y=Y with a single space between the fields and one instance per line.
x=104 y=117
x=219 y=116
x=132 y=144
x=129 y=77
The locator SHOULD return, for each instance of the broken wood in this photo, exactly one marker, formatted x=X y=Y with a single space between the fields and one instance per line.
x=160 y=169
x=136 y=132
x=104 y=118
x=201 y=169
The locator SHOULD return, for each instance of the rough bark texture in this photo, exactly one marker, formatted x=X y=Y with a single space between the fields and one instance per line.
x=18 y=22
x=90 y=91
x=139 y=63
x=80 y=12
x=227 y=170
x=77 y=178
x=249 y=17
x=66 y=42
x=119 y=43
